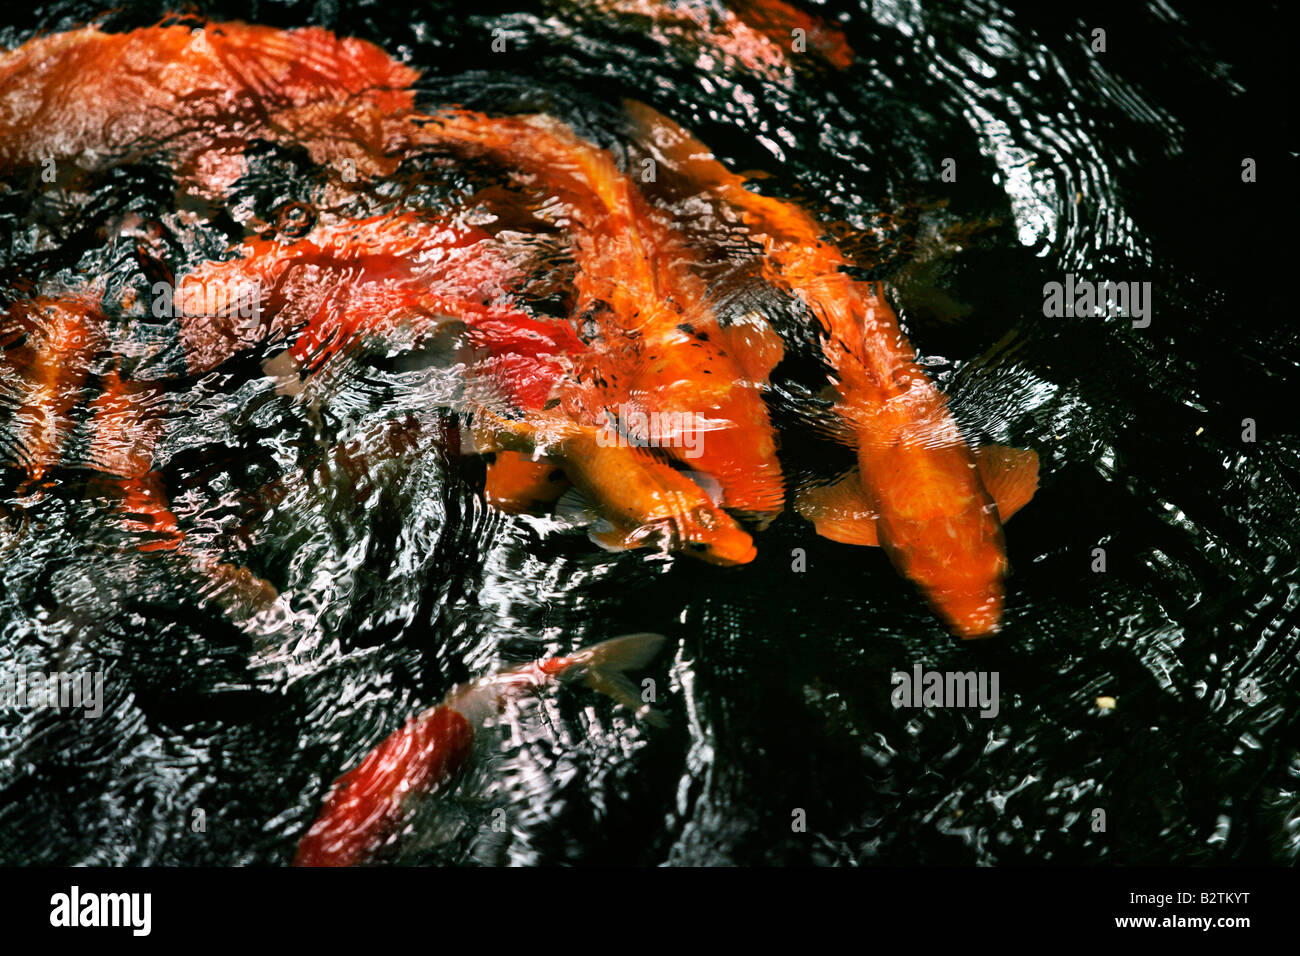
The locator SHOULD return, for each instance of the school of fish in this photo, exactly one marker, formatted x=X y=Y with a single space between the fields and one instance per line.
x=548 y=391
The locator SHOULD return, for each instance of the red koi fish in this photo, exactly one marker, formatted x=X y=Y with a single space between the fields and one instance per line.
x=49 y=344
x=343 y=281
x=920 y=492
x=201 y=94
x=778 y=21
x=368 y=803
x=676 y=359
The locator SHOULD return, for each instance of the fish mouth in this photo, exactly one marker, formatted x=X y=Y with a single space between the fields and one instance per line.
x=970 y=615
x=726 y=547
x=730 y=556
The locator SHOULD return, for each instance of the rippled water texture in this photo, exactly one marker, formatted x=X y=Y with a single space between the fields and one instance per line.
x=221 y=731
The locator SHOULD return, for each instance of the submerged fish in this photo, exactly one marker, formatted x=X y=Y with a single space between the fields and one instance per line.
x=370 y=277
x=343 y=281
x=48 y=348
x=89 y=98
x=919 y=492
x=763 y=37
x=368 y=803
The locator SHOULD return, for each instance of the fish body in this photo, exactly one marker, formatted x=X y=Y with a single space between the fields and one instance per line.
x=640 y=500
x=86 y=96
x=368 y=803
x=649 y=503
x=49 y=346
x=756 y=35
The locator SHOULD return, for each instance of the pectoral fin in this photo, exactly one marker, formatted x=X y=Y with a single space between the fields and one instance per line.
x=840 y=511
x=575 y=510
x=1010 y=476
x=756 y=348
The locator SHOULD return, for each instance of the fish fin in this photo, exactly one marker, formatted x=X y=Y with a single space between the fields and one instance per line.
x=708 y=484
x=840 y=511
x=754 y=345
x=575 y=510
x=1010 y=476
x=669 y=142
x=602 y=666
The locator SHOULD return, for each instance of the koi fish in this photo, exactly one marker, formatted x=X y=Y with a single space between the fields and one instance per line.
x=368 y=803
x=639 y=500
x=342 y=281
x=778 y=21
x=49 y=344
x=757 y=36
x=517 y=484
x=202 y=94
x=919 y=492
x=633 y=278
x=50 y=350
x=125 y=424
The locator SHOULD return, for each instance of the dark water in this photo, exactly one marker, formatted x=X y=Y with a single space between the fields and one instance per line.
x=1122 y=165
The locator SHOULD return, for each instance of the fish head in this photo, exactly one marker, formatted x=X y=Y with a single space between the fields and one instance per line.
x=935 y=520
x=728 y=550
x=972 y=613
x=959 y=569
x=714 y=536
x=704 y=532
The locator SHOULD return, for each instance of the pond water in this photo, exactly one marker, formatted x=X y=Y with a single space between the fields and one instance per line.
x=971 y=153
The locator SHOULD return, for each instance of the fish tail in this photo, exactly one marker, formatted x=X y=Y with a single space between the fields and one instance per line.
x=602 y=667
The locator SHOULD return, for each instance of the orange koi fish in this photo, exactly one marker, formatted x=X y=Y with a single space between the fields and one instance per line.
x=640 y=500
x=778 y=22
x=49 y=344
x=920 y=492
x=637 y=499
x=368 y=803
x=676 y=358
x=85 y=96
x=516 y=484
x=125 y=425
